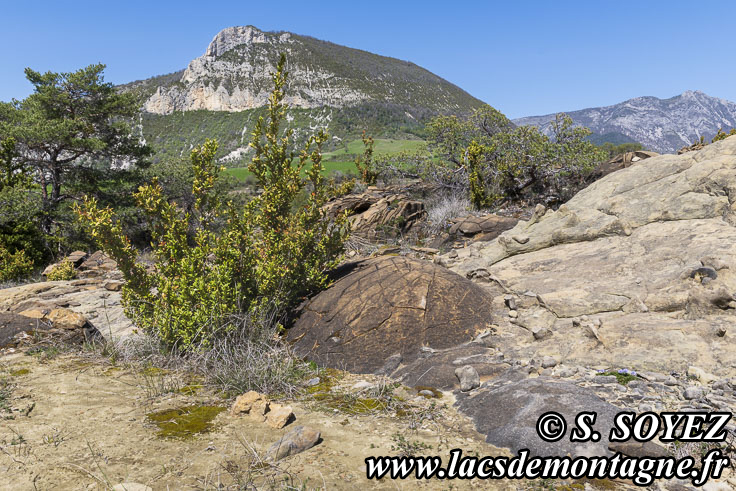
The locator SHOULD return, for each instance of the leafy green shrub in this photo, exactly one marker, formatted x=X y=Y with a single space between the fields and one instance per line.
x=217 y=261
x=722 y=135
x=478 y=193
x=63 y=271
x=508 y=162
x=365 y=165
x=14 y=266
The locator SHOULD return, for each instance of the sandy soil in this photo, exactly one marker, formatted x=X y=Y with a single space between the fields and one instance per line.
x=81 y=424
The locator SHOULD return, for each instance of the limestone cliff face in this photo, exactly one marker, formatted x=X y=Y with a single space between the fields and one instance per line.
x=234 y=75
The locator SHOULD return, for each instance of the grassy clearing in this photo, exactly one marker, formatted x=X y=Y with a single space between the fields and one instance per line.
x=342 y=160
x=380 y=146
x=242 y=173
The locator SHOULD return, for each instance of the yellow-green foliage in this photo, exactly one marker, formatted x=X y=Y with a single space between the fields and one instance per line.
x=345 y=187
x=217 y=260
x=14 y=266
x=478 y=195
x=365 y=164
x=63 y=271
x=722 y=135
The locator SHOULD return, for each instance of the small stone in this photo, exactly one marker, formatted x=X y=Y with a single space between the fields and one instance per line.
x=540 y=333
x=113 y=286
x=34 y=313
x=513 y=314
x=296 y=441
x=701 y=375
x=575 y=322
x=693 y=392
x=77 y=257
x=605 y=379
x=312 y=382
x=567 y=372
x=721 y=385
x=510 y=302
x=251 y=403
x=363 y=385
x=468 y=377
x=638 y=384
x=426 y=250
x=548 y=362
x=66 y=319
x=279 y=416
x=521 y=239
x=426 y=393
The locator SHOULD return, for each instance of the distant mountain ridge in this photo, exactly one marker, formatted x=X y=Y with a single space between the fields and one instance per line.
x=344 y=90
x=662 y=125
x=234 y=75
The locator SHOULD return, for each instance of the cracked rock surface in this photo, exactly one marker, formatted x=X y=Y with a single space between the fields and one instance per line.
x=385 y=311
x=648 y=251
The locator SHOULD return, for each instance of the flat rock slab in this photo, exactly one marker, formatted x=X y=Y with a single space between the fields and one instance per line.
x=507 y=414
x=389 y=306
x=102 y=308
x=491 y=226
x=437 y=369
x=14 y=324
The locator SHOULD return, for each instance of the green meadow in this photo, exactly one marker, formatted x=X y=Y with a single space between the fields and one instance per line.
x=343 y=159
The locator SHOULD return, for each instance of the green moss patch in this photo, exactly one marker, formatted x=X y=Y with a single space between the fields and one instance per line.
x=349 y=404
x=184 y=422
x=621 y=378
x=152 y=371
x=20 y=371
x=190 y=390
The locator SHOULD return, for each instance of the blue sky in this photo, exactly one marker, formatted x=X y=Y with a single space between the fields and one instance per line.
x=525 y=58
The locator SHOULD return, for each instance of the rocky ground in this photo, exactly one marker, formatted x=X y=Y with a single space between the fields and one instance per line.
x=71 y=422
x=622 y=299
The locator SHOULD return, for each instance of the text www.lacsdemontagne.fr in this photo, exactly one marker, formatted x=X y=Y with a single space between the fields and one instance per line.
x=642 y=471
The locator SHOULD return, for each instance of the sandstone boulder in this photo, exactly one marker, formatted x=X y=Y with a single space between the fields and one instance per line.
x=619 y=162
x=295 y=441
x=389 y=306
x=650 y=250
x=507 y=414
x=485 y=227
x=378 y=213
x=88 y=298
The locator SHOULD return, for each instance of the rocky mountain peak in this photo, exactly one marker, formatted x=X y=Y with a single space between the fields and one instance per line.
x=234 y=75
x=231 y=37
x=662 y=125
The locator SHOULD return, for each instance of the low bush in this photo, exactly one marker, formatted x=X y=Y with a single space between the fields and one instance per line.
x=63 y=271
x=722 y=135
x=14 y=266
x=442 y=210
x=495 y=162
x=216 y=262
x=365 y=165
